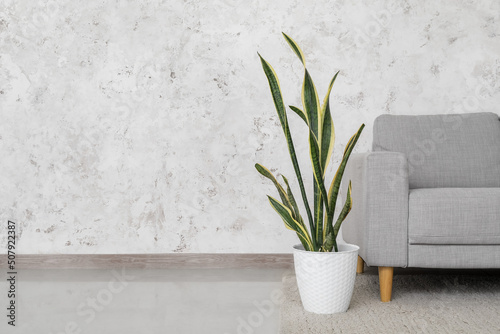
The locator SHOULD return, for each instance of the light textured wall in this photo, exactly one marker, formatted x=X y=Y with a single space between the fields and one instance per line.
x=134 y=126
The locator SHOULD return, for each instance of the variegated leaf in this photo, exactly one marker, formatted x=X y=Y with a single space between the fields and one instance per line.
x=291 y=223
x=295 y=47
x=280 y=108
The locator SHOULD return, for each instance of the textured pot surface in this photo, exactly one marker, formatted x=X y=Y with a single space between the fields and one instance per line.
x=326 y=280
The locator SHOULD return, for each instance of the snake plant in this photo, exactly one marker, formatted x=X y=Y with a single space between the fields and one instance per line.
x=321 y=236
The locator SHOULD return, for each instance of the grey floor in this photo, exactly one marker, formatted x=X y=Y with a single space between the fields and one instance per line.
x=145 y=301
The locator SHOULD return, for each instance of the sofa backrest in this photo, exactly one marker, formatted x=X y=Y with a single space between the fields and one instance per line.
x=454 y=150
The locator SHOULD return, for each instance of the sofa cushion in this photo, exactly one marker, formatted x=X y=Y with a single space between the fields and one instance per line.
x=444 y=150
x=454 y=216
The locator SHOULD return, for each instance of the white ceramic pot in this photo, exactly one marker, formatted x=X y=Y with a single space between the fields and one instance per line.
x=326 y=280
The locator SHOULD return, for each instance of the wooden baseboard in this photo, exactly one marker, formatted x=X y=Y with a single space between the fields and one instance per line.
x=150 y=261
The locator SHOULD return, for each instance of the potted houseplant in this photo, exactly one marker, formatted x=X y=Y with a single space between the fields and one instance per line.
x=325 y=270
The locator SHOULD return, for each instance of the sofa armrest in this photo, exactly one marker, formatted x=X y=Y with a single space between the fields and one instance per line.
x=378 y=221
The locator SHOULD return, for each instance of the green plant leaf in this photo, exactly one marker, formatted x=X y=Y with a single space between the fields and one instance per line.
x=318 y=214
x=274 y=85
x=312 y=109
x=316 y=164
x=315 y=158
x=345 y=211
x=293 y=202
x=295 y=47
x=328 y=132
x=318 y=177
x=335 y=185
x=291 y=223
x=283 y=195
x=329 y=243
x=280 y=109
x=310 y=103
x=300 y=113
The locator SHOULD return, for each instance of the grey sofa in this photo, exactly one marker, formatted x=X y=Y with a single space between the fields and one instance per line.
x=428 y=195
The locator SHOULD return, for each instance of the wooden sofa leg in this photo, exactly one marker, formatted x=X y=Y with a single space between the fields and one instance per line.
x=385 y=277
x=361 y=266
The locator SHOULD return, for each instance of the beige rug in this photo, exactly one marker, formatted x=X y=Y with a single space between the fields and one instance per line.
x=423 y=302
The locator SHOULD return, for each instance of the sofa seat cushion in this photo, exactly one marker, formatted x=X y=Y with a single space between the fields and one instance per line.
x=454 y=216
